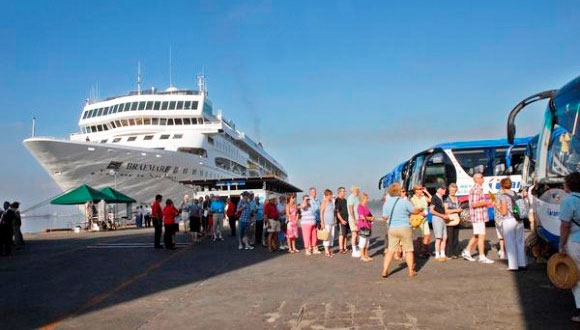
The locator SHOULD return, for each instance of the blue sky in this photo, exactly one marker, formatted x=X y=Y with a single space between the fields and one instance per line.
x=339 y=91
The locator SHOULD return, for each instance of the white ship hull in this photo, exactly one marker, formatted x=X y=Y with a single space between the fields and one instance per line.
x=138 y=172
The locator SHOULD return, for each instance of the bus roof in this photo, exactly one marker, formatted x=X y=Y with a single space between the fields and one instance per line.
x=483 y=143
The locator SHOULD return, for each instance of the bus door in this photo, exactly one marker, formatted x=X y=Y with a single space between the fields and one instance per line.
x=438 y=169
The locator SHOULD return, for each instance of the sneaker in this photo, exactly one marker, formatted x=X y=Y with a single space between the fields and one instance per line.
x=240 y=247
x=485 y=260
x=576 y=319
x=356 y=254
x=249 y=247
x=467 y=256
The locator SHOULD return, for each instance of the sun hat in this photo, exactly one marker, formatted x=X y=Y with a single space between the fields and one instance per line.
x=562 y=271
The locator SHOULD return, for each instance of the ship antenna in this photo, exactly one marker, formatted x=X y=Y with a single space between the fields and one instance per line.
x=138 y=77
x=170 y=78
x=33 y=126
x=201 y=86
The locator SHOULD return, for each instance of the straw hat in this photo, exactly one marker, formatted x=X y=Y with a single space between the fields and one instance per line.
x=562 y=271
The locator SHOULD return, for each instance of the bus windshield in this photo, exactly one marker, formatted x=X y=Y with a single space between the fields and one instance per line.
x=563 y=156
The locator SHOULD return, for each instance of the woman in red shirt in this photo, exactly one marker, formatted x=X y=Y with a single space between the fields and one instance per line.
x=169 y=214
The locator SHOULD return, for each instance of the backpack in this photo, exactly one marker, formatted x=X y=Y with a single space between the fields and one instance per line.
x=515 y=208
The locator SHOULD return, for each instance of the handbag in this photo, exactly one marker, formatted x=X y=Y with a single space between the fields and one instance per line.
x=323 y=234
x=416 y=220
x=454 y=220
x=365 y=232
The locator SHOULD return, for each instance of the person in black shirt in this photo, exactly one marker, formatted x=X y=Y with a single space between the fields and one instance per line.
x=9 y=217
x=439 y=220
x=342 y=217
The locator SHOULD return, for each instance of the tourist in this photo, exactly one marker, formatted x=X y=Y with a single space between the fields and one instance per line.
x=439 y=218
x=342 y=217
x=315 y=204
x=478 y=217
x=513 y=229
x=139 y=217
x=570 y=228
x=397 y=212
x=328 y=216
x=272 y=216
x=421 y=199
x=308 y=226
x=231 y=215
x=157 y=218
x=292 y=226
x=259 y=222
x=283 y=223
x=498 y=222
x=365 y=219
x=185 y=212
x=147 y=216
x=403 y=194
x=244 y=212
x=205 y=203
x=17 y=224
x=217 y=207
x=452 y=206
x=88 y=214
x=169 y=215
x=352 y=205
x=194 y=210
x=7 y=228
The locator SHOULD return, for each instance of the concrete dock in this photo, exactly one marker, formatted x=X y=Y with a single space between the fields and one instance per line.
x=116 y=280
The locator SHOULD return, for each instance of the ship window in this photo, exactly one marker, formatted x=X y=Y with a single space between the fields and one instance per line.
x=88 y=129
x=164 y=137
x=99 y=128
x=105 y=111
x=156 y=105
x=194 y=121
x=85 y=114
x=127 y=106
x=146 y=121
x=186 y=121
x=154 y=121
x=200 y=121
x=113 y=124
x=148 y=137
x=162 y=121
x=177 y=121
x=177 y=136
x=103 y=141
x=99 y=112
x=120 y=108
x=131 y=122
x=194 y=105
x=149 y=105
x=138 y=121
x=134 y=106
x=141 y=105
x=170 y=121
x=124 y=122
x=105 y=127
x=89 y=113
x=210 y=140
x=172 y=105
x=195 y=151
x=187 y=105
x=117 y=123
x=131 y=138
x=164 y=105
x=179 y=105
x=115 y=140
x=116 y=108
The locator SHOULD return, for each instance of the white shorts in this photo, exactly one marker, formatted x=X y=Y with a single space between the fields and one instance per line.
x=273 y=226
x=479 y=228
x=363 y=242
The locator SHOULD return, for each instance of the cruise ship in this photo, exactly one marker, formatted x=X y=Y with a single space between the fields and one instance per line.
x=148 y=141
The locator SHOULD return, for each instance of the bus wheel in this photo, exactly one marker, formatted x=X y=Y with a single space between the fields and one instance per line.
x=465 y=223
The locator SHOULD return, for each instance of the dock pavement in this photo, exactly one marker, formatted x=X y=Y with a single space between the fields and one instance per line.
x=116 y=280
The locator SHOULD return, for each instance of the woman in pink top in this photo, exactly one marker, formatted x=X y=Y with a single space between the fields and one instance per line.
x=292 y=226
x=365 y=219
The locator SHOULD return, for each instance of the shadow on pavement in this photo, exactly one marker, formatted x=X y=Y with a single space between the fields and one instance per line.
x=55 y=279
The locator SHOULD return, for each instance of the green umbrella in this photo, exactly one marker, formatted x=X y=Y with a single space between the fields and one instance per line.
x=118 y=196
x=81 y=195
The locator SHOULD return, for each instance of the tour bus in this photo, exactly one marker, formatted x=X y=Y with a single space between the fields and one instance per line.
x=557 y=154
x=457 y=162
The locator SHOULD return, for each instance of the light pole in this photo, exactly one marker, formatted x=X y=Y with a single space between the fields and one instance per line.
x=114 y=174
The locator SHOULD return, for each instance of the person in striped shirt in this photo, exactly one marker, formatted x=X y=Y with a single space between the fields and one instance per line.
x=244 y=212
x=478 y=217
